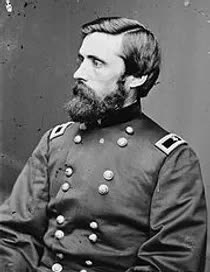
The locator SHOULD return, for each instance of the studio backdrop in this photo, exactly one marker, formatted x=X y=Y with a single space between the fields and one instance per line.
x=39 y=40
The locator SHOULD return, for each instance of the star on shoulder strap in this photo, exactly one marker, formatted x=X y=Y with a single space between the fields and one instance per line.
x=169 y=142
x=59 y=130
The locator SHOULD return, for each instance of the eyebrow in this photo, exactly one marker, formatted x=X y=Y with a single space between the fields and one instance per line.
x=92 y=57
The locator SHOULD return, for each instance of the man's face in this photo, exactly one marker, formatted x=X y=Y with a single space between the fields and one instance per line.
x=100 y=63
x=100 y=85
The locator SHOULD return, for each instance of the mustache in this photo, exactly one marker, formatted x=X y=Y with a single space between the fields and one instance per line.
x=83 y=91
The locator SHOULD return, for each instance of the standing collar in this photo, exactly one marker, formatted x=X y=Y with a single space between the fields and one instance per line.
x=121 y=115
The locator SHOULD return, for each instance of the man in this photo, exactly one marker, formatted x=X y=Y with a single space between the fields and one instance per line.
x=111 y=190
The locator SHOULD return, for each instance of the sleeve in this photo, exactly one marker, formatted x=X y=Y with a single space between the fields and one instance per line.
x=178 y=218
x=23 y=218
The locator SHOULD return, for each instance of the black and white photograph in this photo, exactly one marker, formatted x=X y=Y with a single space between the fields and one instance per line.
x=104 y=135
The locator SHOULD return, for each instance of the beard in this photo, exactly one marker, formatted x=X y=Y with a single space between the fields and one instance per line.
x=86 y=107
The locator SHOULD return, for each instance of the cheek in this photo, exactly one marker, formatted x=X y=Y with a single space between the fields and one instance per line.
x=104 y=82
x=105 y=87
x=109 y=80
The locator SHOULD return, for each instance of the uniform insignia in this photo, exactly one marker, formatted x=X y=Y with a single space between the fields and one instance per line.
x=59 y=130
x=169 y=142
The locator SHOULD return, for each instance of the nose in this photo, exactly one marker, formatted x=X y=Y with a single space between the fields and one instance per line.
x=81 y=72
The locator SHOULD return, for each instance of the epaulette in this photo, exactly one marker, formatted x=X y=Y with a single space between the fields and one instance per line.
x=169 y=142
x=59 y=130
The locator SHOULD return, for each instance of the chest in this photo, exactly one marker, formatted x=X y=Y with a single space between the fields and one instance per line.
x=102 y=177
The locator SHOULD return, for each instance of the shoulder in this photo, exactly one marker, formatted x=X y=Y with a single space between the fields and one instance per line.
x=54 y=137
x=170 y=149
x=162 y=140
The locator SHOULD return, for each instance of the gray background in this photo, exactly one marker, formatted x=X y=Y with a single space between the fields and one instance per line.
x=38 y=48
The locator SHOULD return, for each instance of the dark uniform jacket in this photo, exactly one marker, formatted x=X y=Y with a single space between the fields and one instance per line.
x=122 y=196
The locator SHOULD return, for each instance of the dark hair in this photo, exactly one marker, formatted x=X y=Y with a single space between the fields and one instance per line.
x=141 y=52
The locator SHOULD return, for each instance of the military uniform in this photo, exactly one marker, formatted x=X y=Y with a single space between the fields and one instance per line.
x=124 y=195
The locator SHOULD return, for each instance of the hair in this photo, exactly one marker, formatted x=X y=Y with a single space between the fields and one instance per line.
x=140 y=49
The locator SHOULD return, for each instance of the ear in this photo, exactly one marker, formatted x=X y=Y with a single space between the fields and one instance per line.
x=134 y=82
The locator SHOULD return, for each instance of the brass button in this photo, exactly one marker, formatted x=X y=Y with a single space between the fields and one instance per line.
x=103 y=189
x=82 y=126
x=101 y=141
x=83 y=270
x=88 y=263
x=129 y=130
x=57 y=267
x=93 y=237
x=65 y=187
x=60 y=219
x=77 y=139
x=60 y=256
x=108 y=175
x=93 y=225
x=122 y=142
x=59 y=234
x=68 y=172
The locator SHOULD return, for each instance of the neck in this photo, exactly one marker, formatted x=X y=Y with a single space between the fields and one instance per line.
x=128 y=112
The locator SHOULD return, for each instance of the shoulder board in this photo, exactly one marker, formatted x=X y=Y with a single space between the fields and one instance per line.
x=169 y=142
x=59 y=130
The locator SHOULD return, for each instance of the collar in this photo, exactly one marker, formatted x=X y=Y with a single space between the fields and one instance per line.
x=121 y=115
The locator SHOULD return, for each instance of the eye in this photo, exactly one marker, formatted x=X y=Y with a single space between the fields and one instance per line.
x=97 y=63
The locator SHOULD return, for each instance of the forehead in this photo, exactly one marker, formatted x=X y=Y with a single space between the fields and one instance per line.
x=102 y=44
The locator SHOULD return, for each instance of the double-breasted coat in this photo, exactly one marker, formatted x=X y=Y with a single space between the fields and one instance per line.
x=124 y=195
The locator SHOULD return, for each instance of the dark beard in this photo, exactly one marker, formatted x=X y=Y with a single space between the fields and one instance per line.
x=86 y=107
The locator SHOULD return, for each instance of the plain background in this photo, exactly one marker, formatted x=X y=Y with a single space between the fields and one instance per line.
x=38 y=48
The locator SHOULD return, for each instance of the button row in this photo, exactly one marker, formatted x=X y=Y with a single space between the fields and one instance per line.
x=59 y=234
x=122 y=142
x=102 y=189
x=66 y=186
x=108 y=174
x=129 y=130
x=57 y=267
